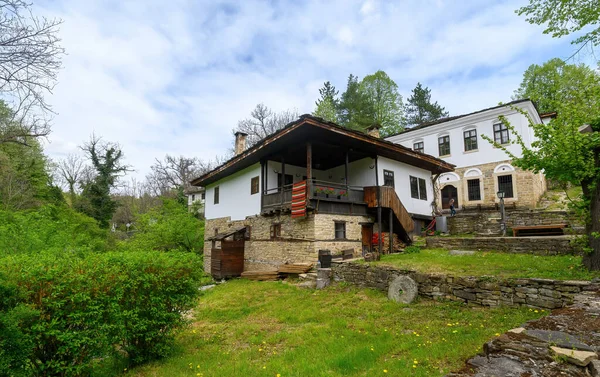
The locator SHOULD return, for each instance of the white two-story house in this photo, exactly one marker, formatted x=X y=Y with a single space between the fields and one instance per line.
x=312 y=186
x=482 y=170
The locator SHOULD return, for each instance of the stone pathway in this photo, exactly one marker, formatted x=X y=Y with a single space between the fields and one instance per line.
x=564 y=343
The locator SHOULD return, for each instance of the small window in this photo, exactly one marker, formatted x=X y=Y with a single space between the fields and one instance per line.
x=193 y=197
x=216 y=195
x=275 y=231
x=505 y=183
x=388 y=178
x=340 y=230
x=444 y=145
x=419 y=147
x=254 y=186
x=203 y=195
x=418 y=188
x=474 y=189
x=422 y=189
x=470 y=140
x=501 y=133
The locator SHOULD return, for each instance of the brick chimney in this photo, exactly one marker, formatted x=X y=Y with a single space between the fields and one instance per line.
x=373 y=130
x=240 y=142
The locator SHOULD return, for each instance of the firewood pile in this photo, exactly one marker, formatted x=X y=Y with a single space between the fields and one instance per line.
x=295 y=268
x=397 y=247
x=273 y=275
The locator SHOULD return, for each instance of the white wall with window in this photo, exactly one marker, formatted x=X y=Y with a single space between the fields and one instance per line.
x=405 y=177
x=235 y=196
x=459 y=141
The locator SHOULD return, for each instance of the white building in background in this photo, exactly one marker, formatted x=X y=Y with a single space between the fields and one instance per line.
x=481 y=169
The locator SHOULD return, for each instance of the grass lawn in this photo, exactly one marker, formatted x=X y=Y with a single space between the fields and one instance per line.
x=245 y=328
x=501 y=265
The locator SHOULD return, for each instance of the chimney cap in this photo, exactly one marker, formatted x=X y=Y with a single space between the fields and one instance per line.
x=240 y=133
x=374 y=126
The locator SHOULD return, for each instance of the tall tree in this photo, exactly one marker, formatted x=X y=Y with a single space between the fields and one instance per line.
x=70 y=172
x=107 y=161
x=567 y=155
x=264 y=122
x=355 y=109
x=382 y=94
x=564 y=17
x=173 y=175
x=555 y=83
x=420 y=109
x=30 y=58
x=327 y=105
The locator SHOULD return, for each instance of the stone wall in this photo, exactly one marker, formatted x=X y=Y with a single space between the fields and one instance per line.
x=488 y=222
x=559 y=245
x=300 y=240
x=528 y=187
x=483 y=291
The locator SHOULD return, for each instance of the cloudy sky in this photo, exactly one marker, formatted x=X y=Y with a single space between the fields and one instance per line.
x=174 y=77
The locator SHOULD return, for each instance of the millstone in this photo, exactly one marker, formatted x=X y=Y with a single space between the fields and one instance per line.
x=403 y=289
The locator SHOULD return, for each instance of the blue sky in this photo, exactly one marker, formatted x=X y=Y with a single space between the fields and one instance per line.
x=175 y=77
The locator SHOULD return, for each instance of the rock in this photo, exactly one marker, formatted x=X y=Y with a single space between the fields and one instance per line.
x=498 y=366
x=581 y=358
x=518 y=330
x=560 y=339
x=462 y=252
x=403 y=289
x=594 y=368
x=309 y=284
x=207 y=287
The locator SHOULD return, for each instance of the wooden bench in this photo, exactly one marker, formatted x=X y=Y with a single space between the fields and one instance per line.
x=539 y=230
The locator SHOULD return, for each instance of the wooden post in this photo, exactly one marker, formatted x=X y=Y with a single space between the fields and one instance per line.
x=391 y=230
x=309 y=170
x=262 y=184
x=379 y=224
x=346 y=168
x=282 y=178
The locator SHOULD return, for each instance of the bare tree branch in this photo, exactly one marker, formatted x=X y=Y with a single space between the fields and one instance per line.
x=263 y=122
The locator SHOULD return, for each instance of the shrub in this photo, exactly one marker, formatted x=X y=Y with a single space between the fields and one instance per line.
x=86 y=303
x=412 y=249
x=168 y=227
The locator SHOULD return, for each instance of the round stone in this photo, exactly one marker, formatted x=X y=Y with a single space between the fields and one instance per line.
x=403 y=289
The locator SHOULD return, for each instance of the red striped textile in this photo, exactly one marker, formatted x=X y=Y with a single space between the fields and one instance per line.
x=299 y=200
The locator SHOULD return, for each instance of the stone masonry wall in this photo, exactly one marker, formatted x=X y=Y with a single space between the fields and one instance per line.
x=517 y=245
x=528 y=187
x=488 y=222
x=483 y=291
x=299 y=242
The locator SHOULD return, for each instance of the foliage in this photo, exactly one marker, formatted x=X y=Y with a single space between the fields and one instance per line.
x=172 y=176
x=96 y=200
x=170 y=226
x=555 y=84
x=412 y=249
x=420 y=109
x=385 y=101
x=328 y=104
x=564 y=17
x=252 y=329
x=88 y=303
x=500 y=265
x=355 y=110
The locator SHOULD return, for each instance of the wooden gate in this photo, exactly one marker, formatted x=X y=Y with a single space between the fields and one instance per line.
x=367 y=236
x=228 y=261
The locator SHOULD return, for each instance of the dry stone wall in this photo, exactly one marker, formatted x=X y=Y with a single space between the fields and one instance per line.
x=561 y=245
x=488 y=222
x=483 y=291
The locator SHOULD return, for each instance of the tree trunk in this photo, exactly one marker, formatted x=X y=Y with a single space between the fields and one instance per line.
x=591 y=191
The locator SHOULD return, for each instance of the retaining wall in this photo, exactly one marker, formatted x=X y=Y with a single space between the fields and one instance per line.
x=558 y=245
x=484 y=291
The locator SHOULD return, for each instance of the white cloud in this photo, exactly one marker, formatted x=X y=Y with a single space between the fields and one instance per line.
x=176 y=79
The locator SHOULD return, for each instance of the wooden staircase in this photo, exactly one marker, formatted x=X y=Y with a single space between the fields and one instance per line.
x=403 y=222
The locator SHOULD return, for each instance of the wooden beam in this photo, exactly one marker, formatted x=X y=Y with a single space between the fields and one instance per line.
x=309 y=170
x=379 y=225
x=282 y=177
x=391 y=230
x=346 y=171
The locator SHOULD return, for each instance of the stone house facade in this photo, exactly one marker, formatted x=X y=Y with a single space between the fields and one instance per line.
x=313 y=186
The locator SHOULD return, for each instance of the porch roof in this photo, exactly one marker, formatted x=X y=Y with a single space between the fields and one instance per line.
x=309 y=129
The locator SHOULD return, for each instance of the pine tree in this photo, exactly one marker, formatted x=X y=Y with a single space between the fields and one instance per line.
x=355 y=109
x=420 y=109
x=327 y=105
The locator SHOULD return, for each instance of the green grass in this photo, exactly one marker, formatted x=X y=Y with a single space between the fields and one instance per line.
x=245 y=328
x=501 y=265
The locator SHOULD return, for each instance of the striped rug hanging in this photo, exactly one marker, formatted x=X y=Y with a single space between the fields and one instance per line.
x=299 y=199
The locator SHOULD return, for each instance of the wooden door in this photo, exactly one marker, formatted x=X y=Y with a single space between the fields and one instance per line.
x=367 y=236
x=228 y=261
x=449 y=192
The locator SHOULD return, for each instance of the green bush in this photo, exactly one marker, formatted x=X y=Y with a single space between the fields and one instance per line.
x=88 y=303
x=168 y=227
x=412 y=249
x=50 y=228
